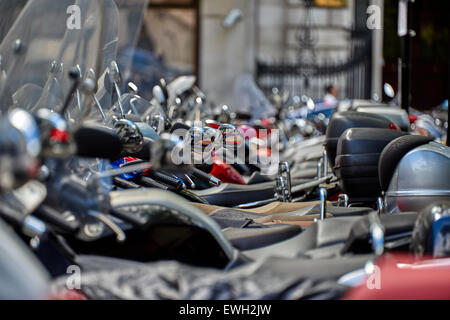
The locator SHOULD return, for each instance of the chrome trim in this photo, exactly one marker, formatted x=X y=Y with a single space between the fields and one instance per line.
x=377 y=237
x=323 y=203
x=33 y=226
x=342 y=197
x=256 y=203
x=380 y=205
x=120 y=234
x=312 y=184
x=419 y=193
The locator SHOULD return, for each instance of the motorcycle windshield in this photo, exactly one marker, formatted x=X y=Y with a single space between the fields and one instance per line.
x=132 y=104
x=47 y=41
x=50 y=40
x=117 y=64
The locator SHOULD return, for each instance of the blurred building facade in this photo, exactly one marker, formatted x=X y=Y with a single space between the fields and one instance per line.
x=281 y=44
x=271 y=39
x=295 y=45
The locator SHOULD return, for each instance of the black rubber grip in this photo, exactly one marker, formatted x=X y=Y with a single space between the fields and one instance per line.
x=199 y=174
x=11 y=216
x=166 y=179
x=97 y=142
x=124 y=184
x=54 y=218
x=150 y=183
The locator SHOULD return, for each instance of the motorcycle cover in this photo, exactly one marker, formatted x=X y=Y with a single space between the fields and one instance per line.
x=168 y=280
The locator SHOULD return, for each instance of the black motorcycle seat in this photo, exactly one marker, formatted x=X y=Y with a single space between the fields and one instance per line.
x=351 y=232
x=257 y=177
x=322 y=233
x=251 y=238
x=230 y=195
x=246 y=230
x=229 y=187
x=395 y=225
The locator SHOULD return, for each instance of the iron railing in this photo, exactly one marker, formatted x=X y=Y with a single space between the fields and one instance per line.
x=352 y=77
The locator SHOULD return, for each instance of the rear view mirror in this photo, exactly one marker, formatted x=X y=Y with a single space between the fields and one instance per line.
x=388 y=90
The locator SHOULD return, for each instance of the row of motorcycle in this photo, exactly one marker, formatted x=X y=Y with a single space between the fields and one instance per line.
x=105 y=194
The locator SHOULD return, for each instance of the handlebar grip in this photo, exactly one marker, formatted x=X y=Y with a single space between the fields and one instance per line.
x=166 y=179
x=150 y=183
x=54 y=218
x=207 y=178
x=97 y=142
x=11 y=216
x=28 y=224
x=125 y=184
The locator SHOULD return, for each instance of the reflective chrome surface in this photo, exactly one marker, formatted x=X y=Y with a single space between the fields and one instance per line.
x=19 y=149
x=229 y=136
x=130 y=135
x=25 y=123
x=421 y=178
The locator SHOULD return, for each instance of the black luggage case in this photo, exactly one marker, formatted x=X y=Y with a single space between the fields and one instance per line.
x=342 y=121
x=356 y=164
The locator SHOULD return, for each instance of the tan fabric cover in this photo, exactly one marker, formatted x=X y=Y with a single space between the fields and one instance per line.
x=271 y=208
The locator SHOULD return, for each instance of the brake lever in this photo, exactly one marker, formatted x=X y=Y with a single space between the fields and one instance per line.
x=53 y=217
x=114 y=227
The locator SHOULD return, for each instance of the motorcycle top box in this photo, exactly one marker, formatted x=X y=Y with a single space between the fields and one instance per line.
x=419 y=178
x=356 y=164
x=395 y=114
x=342 y=121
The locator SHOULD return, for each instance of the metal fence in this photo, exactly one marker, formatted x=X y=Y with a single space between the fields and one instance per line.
x=352 y=77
